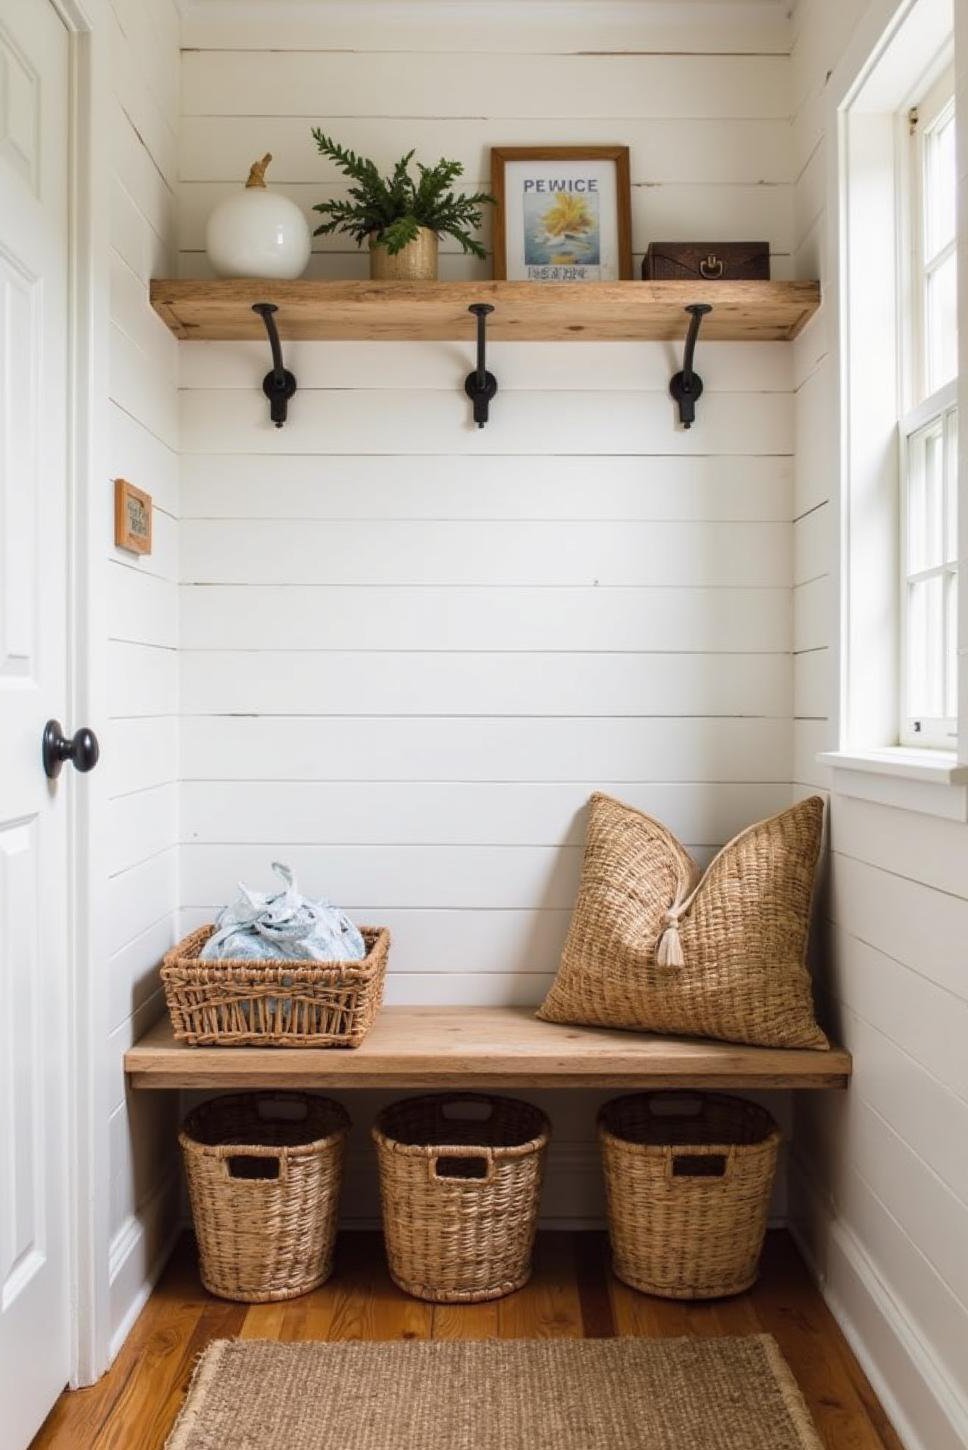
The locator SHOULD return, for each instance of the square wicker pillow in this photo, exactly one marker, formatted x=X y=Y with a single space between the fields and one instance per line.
x=656 y=945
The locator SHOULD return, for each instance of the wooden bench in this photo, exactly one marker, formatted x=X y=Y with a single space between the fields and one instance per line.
x=483 y=1047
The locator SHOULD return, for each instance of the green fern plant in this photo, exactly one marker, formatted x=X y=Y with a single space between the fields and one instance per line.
x=392 y=209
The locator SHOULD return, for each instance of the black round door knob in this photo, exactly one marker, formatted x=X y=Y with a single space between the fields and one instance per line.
x=82 y=751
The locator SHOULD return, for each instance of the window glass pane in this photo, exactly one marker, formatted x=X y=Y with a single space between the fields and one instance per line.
x=942 y=327
x=928 y=485
x=941 y=184
x=925 y=512
x=925 y=648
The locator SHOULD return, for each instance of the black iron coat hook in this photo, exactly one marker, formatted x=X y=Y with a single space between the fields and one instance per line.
x=481 y=385
x=686 y=387
x=279 y=384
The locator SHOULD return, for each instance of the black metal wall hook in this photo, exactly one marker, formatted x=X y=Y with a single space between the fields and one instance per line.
x=279 y=384
x=686 y=387
x=480 y=385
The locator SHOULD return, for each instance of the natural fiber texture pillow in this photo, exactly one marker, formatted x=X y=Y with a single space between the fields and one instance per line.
x=656 y=945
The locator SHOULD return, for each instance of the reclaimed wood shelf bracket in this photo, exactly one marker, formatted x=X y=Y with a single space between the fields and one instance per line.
x=233 y=310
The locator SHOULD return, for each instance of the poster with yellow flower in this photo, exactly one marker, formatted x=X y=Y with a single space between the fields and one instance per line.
x=561 y=224
x=563 y=214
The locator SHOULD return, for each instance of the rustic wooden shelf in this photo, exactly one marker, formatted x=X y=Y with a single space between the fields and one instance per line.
x=483 y=1047
x=208 y=311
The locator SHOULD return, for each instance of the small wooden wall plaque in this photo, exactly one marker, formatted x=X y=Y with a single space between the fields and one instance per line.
x=132 y=517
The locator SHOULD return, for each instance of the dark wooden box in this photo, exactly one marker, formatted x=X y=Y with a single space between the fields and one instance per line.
x=707 y=262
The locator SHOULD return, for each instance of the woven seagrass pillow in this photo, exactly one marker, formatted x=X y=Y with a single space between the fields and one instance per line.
x=657 y=945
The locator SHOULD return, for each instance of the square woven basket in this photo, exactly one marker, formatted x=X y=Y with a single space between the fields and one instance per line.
x=243 y=1003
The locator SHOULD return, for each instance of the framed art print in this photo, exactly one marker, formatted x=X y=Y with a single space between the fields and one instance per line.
x=563 y=213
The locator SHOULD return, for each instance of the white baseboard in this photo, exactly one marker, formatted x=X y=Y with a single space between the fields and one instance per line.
x=139 y=1252
x=925 y=1409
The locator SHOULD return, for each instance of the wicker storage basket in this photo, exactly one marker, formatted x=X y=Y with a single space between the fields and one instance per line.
x=264 y=1172
x=687 y=1184
x=240 y=1003
x=460 y=1180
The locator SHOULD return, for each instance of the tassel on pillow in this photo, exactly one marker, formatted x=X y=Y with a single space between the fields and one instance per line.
x=669 y=951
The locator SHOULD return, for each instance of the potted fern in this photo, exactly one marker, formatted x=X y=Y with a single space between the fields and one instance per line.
x=400 y=216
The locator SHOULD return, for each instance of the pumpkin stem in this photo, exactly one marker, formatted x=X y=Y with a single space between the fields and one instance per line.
x=257 y=171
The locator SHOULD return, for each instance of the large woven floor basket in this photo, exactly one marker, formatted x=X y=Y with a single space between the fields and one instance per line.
x=264 y=1174
x=688 y=1179
x=245 y=1003
x=460 y=1181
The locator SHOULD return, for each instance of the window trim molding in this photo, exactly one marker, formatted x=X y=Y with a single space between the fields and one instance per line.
x=931 y=782
x=910 y=38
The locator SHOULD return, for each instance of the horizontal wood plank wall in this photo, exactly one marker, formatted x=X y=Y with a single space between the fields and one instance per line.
x=140 y=895
x=701 y=97
x=880 y=1193
x=411 y=649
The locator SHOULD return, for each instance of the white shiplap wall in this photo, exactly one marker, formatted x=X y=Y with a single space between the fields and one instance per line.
x=880 y=1178
x=698 y=91
x=140 y=748
x=411 y=649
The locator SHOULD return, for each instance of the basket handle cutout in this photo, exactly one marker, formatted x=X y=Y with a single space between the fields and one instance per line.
x=253 y=1166
x=690 y=1164
x=467 y=1110
x=467 y=1163
x=675 y=1105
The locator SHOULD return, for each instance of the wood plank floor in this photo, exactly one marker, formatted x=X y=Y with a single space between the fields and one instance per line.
x=571 y=1294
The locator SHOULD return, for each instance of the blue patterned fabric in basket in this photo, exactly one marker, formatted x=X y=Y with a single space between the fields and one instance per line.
x=283 y=925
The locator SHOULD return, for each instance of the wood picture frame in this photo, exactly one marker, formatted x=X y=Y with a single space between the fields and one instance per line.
x=614 y=257
x=132 y=517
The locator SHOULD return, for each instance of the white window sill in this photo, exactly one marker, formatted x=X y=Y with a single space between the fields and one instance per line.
x=928 y=781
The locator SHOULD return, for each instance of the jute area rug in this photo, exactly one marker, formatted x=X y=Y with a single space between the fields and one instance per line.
x=593 y=1394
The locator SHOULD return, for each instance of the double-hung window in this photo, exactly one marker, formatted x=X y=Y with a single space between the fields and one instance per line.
x=928 y=424
x=901 y=732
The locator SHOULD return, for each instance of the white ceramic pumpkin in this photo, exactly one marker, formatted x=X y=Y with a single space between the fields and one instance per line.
x=257 y=232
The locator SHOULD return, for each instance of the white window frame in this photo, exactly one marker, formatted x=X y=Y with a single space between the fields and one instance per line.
x=923 y=412
x=938 y=413
x=894 y=54
x=919 y=122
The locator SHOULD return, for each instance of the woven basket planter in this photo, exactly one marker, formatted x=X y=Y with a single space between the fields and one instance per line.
x=460 y=1181
x=688 y=1179
x=264 y=1172
x=244 y=1003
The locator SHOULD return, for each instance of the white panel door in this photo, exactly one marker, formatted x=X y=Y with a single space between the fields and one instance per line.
x=34 y=1300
